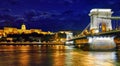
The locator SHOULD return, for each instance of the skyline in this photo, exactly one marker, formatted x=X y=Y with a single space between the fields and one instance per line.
x=51 y=15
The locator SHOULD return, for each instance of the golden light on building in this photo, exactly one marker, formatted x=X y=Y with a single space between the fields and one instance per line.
x=103 y=27
x=11 y=30
x=92 y=31
x=9 y=39
x=36 y=31
x=23 y=27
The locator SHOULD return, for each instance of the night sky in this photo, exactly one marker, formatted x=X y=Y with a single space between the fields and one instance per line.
x=51 y=15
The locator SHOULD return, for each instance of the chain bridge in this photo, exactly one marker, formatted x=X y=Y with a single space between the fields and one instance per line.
x=99 y=30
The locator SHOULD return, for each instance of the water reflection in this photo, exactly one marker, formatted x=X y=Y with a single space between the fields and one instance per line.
x=104 y=58
x=55 y=56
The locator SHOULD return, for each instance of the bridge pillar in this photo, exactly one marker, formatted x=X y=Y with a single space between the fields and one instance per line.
x=96 y=21
x=101 y=43
x=69 y=35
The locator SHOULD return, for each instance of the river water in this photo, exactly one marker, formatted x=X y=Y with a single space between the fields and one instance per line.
x=56 y=56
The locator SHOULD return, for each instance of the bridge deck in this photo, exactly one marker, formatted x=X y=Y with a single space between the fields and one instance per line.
x=98 y=34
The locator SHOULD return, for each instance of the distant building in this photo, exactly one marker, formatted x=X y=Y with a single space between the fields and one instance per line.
x=11 y=30
x=23 y=27
x=63 y=36
x=36 y=31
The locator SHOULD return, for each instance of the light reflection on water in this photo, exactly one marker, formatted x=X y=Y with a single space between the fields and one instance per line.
x=55 y=56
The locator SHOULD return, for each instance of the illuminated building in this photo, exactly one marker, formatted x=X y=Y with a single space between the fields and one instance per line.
x=36 y=31
x=23 y=27
x=11 y=30
x=11 y=34
x=62 y=36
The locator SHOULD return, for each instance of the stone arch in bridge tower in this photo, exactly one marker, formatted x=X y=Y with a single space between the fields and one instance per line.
x=96 y=16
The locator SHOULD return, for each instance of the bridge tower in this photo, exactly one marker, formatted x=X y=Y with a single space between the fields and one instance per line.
x=69 y=35
x=97 y=21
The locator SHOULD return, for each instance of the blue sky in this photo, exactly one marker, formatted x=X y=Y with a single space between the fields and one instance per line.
x=51 y=15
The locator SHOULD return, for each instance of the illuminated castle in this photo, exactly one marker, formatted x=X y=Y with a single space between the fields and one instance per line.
x=11 y=30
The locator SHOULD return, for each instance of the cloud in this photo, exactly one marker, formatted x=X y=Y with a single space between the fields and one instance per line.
x=20 y=20
x=5 y=10
x=68 y=12
x=14 y=2
x=46 y=20
x=68 y=1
